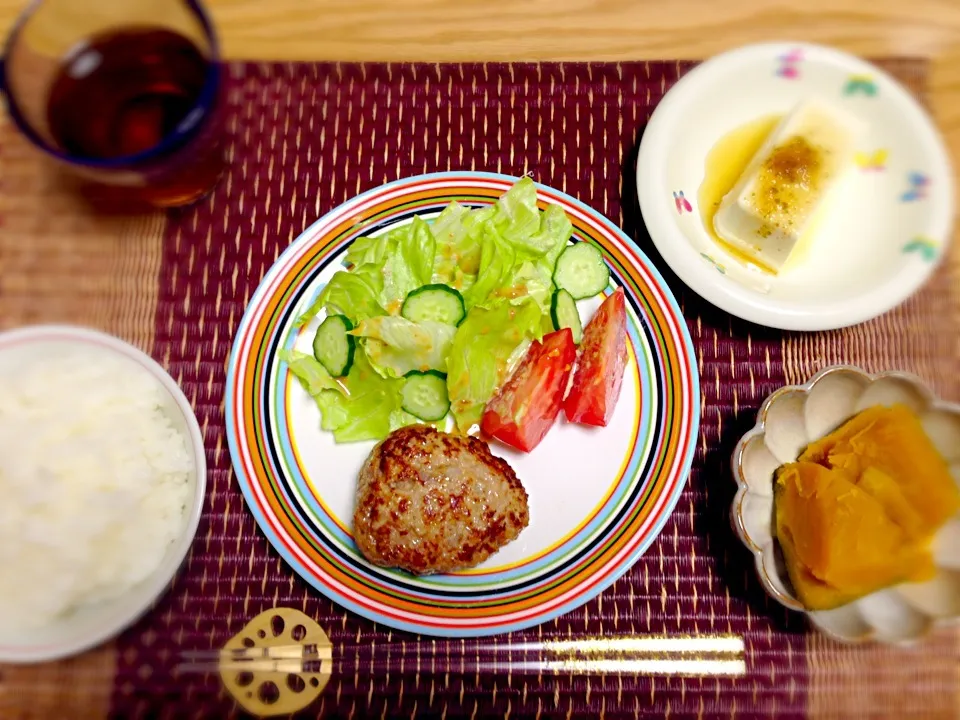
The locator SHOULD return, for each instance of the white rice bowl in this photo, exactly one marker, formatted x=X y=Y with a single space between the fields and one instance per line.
x=102 y=477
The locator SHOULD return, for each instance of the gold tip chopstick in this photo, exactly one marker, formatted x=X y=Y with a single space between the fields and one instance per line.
x=640 y=655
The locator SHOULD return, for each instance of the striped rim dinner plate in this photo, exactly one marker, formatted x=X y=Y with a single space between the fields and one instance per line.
x=598 y=496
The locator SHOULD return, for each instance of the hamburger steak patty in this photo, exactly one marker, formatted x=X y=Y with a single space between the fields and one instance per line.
x=431 y=502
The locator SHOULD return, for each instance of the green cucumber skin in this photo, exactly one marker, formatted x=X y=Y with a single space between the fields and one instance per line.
x=576 y=325
x=335 y=369
x=431 y=414
x=579 y=287
x=452 y=294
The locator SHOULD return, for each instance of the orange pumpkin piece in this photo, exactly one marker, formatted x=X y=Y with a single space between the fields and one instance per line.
x=837 y=539
x=857 y=510
x=892 y=440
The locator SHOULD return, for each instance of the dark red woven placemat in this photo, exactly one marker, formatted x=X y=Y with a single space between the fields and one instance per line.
x=304 y=138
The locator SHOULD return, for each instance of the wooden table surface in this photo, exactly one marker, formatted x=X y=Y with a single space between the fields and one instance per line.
x=437 y=30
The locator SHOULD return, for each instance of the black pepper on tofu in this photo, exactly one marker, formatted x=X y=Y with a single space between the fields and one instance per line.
x=789 y=182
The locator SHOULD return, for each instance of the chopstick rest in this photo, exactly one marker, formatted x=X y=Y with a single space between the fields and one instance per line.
x=278 y=664
x=281 y=661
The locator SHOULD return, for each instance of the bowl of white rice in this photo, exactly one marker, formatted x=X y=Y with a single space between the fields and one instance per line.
x=102 y=476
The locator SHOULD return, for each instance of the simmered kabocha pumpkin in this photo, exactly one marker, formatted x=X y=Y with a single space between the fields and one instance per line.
x=891 y=441
x=858 y=509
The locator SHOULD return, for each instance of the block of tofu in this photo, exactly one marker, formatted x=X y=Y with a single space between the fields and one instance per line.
x=767 y=210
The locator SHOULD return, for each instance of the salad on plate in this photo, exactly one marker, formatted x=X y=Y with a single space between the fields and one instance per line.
x=469 y=320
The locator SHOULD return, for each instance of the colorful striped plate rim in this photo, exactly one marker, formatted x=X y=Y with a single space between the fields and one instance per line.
x=599 y=497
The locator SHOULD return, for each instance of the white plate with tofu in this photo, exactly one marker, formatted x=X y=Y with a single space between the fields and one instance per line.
x=796 y=186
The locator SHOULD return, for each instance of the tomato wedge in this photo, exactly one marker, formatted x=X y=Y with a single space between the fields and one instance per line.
x=529 y=402
x=603 y=357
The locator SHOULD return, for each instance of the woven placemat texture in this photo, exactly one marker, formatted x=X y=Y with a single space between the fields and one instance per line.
x=303 y=138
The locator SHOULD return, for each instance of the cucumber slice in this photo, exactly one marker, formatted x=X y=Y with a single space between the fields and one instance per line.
x=440 y=303
x=581 y=271
x=424 y=395
x=333 y=347
x=564 y=313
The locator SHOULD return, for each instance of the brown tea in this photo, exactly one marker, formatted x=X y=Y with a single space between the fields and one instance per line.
x=123 y=92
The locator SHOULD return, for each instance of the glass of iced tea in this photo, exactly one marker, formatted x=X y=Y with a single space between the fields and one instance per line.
x=125 y=92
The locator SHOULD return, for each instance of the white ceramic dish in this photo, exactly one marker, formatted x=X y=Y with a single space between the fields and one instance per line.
x=888 y=224
x=91 y=625
x=790 y=419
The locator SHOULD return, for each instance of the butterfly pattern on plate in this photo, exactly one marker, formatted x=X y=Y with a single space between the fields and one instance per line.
x=789 y=66
x=720 y=268
x=918 y=187
x=683 y=205
x=860 y=84
x=875 y=161
x=922 y=246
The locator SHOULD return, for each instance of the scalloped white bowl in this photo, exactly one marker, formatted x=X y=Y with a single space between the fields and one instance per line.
x=788 y=421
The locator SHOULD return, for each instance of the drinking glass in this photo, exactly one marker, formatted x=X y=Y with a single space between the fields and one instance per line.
x=126 y=93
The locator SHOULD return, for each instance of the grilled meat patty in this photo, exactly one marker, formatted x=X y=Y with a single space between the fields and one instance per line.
x=431 y=502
